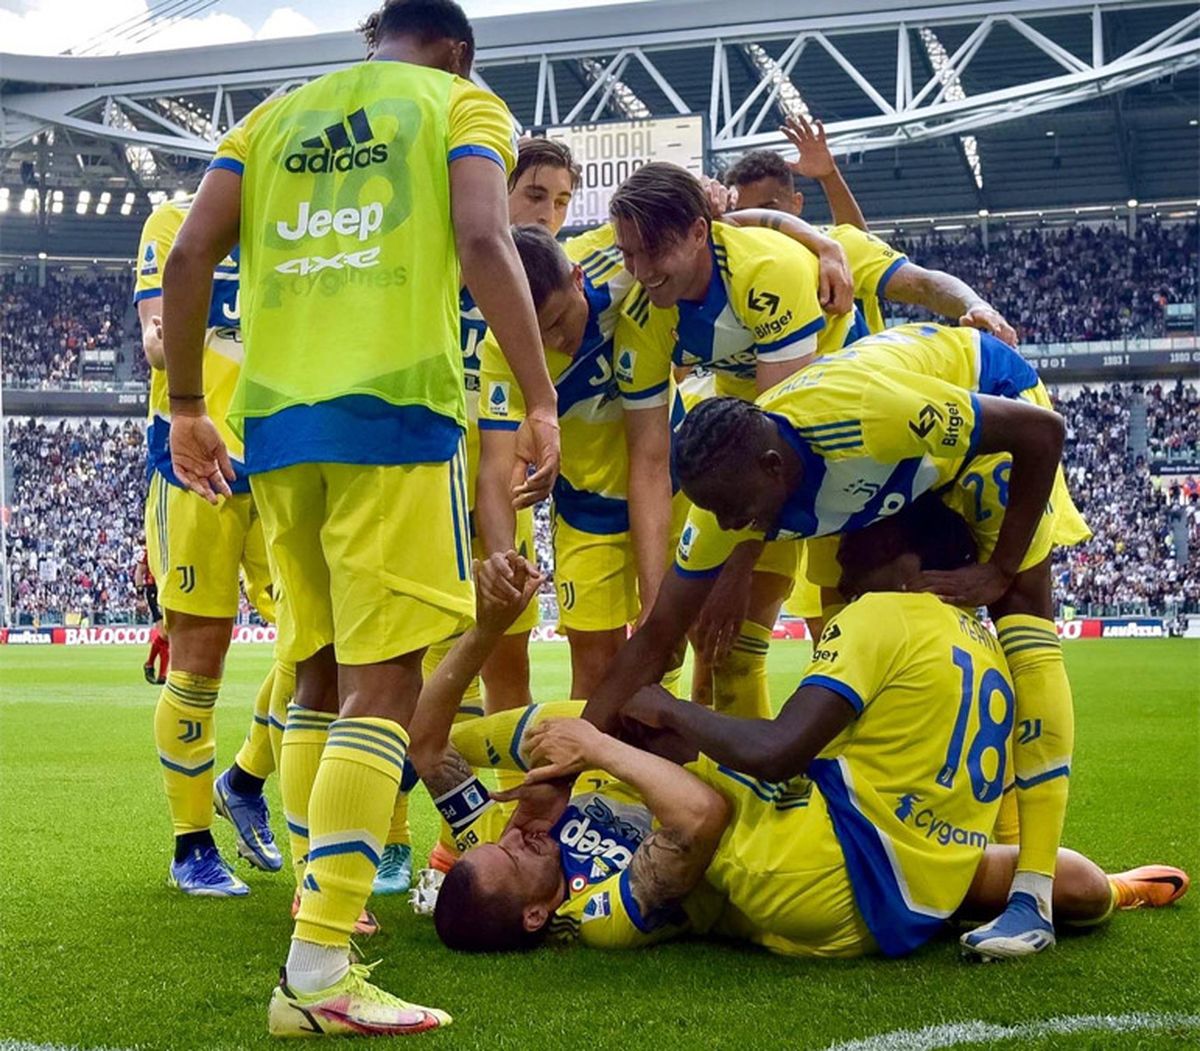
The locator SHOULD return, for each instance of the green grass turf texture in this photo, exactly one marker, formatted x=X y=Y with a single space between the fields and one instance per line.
x=96 y=951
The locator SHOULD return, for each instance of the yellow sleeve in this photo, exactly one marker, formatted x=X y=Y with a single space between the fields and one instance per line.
x=501 y=404
x=498 y=740
x=158 y=235
x=872 y=261
x=906 y=415
x=481 y=126
x=775 y=296
x=859 y=651
x=606 y=916
x=704 y=546
x=233 y=149
x=642 y=346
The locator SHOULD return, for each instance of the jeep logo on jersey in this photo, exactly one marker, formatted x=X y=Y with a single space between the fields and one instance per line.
x=763 y=301
x=345 y=222
x=337 y=150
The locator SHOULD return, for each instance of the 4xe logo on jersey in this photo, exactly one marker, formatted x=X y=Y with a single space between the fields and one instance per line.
x=334 y=150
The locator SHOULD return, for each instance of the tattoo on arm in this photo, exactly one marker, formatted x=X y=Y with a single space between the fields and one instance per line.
x=451 y=771
x=663 y=869
x=774 y=222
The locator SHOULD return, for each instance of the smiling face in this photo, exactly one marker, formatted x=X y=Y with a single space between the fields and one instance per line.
x=677 y=268
x=541 y=196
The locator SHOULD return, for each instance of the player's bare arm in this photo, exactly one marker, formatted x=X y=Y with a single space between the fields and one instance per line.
x=816 y=161
x=198 y=455
x=691 y=816
x=727 y=605
x=948 y=296
x=648 y=437
x=644 y=659
x=836 y=290
x=492 y=271
x=494 y=513
x=152 y=333
x=1034 y=436
x=771 y=749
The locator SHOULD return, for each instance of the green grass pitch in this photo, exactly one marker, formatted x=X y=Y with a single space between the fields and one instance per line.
x=96 y=951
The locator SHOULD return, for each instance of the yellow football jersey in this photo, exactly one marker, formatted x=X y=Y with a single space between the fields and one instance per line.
x=222 y=348
x=593 y=482
x=872 y=264
x=913 y=785
x=875 y=425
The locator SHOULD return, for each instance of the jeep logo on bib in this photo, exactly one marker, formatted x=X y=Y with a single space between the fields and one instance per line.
x=338 y=150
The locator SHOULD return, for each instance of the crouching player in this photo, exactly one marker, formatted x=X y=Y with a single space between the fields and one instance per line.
x=906 y=716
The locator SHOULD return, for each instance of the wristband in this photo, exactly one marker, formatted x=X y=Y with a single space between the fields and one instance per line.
x=464 y=803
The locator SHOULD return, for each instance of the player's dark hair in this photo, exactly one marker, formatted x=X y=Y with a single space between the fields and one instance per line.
x=468 y=921
x=939 y=536
x=426 y=20
x=759 y=164
x=540 y=152
x=712 y=434
x=546 y=265
x=662 y=201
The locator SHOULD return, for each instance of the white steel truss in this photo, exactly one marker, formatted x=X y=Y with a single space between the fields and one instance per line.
x=185 y=114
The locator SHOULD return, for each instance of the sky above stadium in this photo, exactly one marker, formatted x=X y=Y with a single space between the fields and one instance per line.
x=49 y=27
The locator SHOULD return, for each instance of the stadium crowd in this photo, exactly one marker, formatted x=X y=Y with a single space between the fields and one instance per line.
x=46 y=328
x=78 y=494
x=1071 y=284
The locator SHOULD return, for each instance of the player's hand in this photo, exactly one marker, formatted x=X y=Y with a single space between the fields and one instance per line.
x=651 y=706
x=539 y=804
x=835 y=289
x=815 y=160
x=721 y=618
x=563 y=748
x=152 y=339
x=970 y=586
x=539 y=447
x=721 y=198
x=504 y=584
x=986 y=317
x=199 y=457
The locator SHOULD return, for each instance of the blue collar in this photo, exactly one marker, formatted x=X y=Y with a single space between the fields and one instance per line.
x=798 y=514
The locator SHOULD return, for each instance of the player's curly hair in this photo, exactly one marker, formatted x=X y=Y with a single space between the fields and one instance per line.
x=468 y=921
x=759 y=164
x=426 y=20
x=547 y=267
x=540 y=152
x=661 y=201
x=712 y=434
x=938 y=535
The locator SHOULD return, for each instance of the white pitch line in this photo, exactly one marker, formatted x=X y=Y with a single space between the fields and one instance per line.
x=955 y=1033
x=25 y=1045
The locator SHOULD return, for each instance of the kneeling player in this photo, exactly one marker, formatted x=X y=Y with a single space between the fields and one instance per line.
x=872 y=851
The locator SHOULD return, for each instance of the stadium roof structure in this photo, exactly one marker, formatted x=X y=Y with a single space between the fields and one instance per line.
x=939 y=107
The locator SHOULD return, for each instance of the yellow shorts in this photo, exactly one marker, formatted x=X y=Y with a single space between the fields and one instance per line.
x=532 y=615
x=195 y=549
x=375 y=560
x=595 y=575
x=779 y=877
x=257 y=577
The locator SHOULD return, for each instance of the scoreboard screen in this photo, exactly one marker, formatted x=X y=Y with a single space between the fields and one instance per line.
x=610 y=151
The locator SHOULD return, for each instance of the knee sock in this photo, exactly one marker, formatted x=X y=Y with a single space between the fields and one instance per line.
x=1043 y=737
x=255 y=756
x=183 y=734
x=740 y=680
x=303 y=742
x=283 y=689
x=349 y=811
x=399 y=832
x=1008 y=825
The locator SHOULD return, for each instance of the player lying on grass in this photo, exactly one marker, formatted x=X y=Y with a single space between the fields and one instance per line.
x=873 y=851
x=851 y=439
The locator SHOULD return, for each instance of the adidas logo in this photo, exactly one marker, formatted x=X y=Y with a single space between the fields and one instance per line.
x=338 y=150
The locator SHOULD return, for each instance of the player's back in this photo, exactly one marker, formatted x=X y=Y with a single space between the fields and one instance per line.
x=349 y=266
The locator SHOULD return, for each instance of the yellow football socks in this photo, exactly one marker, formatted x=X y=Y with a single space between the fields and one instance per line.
x=183 y=734
x=255 y=756
x=283 y=689
x=349 y=811
x=304 y=739
x=740 y=680
x=1043 y=736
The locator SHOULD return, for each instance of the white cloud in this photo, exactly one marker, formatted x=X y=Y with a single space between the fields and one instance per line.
x=47 y=27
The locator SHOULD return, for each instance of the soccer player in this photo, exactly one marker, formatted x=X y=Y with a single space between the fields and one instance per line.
x=194 y=550
x=902 y=721
x=359 y=196
x=853 y=438
x=160 y=647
